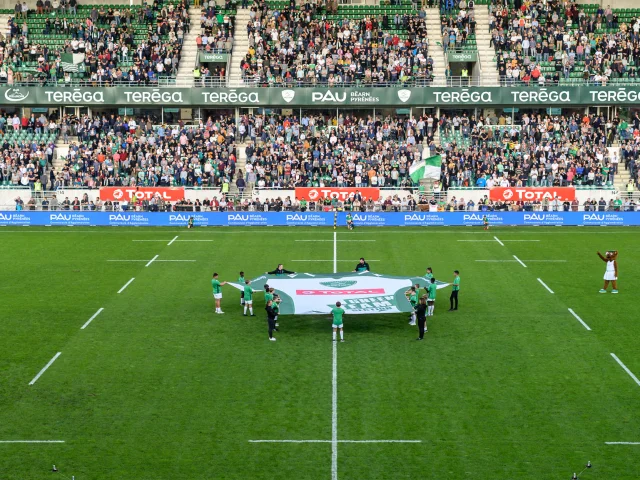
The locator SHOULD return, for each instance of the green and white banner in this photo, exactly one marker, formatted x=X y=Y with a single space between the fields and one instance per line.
x=359 y=293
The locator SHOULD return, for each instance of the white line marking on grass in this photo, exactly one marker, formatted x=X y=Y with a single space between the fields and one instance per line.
x=545 y=285
x=91 y=319
x=31 y=441
x=35 y=379
x=339 y=441
x=476 y=241
x=622 y=443
x=174 y=239
x=336 y=240
x=497 y=261
x=194 y=240
x=156 y=261
x=520 y=240
x=149 y=240
x=152 y=260
x=579 y=319
x=519 y=261
x=331 y=260
x=126 y=285
x=498 y=240
x=548 y=261
x=334 y=415
x=635 y=379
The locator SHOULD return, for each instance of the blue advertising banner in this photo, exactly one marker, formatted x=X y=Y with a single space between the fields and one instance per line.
x=316 y=219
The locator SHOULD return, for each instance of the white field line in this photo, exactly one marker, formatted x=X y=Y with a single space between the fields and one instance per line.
x=174 y=239
x=579 y=319
x=624 y=367
x=126 y=285
x=336 y=240
x=545 y=286
x=331 y=260
x=524 y=260
x=622 y=443
x=520 y=261
x=339 y=441
x=31 y=441
x=520 y=240
x=156 y=261
x=334 y=385
x=334 y=414
x=498 y=240
x=152 y=260
x=476 y=241
x=35 y=379
x=91 y=319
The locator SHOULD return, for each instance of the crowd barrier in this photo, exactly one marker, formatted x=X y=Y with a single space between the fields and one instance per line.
x=385 y=219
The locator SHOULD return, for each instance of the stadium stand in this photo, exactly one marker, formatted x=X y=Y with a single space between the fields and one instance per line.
x=95 y=45
x=363 y=45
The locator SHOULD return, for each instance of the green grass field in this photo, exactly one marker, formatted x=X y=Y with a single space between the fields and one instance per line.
x=511 y=386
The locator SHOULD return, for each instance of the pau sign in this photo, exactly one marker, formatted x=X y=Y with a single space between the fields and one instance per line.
x=320 y=96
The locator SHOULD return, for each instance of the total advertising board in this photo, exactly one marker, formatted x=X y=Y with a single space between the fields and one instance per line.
x=320 y=193
x=365 y=219
x=322 y=96
x=141 y=193
x=530 y=194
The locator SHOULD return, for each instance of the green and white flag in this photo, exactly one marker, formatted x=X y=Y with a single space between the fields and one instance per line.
x=70 y=61
x=427 y=168
x=359 y=293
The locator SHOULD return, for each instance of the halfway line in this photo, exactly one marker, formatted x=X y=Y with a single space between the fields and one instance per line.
x=520 y=261
x=498 y=240
x=91 y=319
x=626 y=369
x=45 y=368
x=545 y=285
x=579 y=319
x=152 y=260
x=31 y=441
x=338 y=441
x=174 y=239
x=126 y=285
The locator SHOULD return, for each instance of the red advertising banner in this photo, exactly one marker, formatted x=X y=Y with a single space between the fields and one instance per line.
x=319 y=193
x=120 y=194
x=531 y=194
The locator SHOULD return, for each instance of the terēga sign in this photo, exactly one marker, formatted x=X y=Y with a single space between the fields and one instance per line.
x=129 y=194
x=531 y=194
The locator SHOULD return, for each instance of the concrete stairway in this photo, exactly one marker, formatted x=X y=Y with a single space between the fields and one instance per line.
x=189 y=49
x=241 y=162
x=4 y=27
x=436 y=51
x=486 y=53
x=621 y=179
x=240 y=46
x=61 y=151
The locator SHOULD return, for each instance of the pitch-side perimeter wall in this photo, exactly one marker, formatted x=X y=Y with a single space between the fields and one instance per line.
x=249 y=219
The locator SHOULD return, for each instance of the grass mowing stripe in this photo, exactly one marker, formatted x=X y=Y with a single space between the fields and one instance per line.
x=545 y=285
x=91 y=319
x=35 y=379
x=126 y=285
x=520 y=261
x=579 y=319
x=624 y=367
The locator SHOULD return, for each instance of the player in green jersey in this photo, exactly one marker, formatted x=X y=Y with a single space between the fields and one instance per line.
x=485 y=222
x=217 y=291
x=429 y=275
x=431 y=297
x=248 y=298
x=454 y=290
x=349 y=221
x=413 y=300
x=337 y=313
x=241 y=282
x=276 y=306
